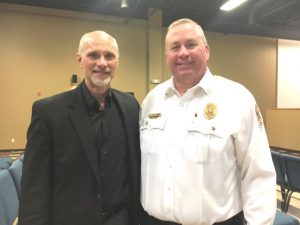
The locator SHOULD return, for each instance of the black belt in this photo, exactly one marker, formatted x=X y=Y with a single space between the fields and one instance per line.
x=238 y=219
x=113 y=211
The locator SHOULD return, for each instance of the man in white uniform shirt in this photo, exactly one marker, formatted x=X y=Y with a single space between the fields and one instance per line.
x=205 y=154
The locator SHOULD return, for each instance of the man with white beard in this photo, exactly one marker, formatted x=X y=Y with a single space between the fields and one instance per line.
x=82 y=158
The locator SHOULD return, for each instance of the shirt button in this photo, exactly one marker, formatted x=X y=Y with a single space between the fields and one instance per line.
x=102 y=174
x=98 y=196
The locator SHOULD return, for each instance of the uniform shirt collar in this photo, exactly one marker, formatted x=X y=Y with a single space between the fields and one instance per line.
x=204 y=84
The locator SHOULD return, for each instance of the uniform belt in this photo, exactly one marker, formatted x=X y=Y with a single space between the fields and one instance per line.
x=113 y=211
x=238 y=219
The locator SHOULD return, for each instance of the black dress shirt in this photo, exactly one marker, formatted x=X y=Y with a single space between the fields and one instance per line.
x=112 y=151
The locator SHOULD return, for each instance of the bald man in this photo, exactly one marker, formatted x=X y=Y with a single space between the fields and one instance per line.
x=82 y=158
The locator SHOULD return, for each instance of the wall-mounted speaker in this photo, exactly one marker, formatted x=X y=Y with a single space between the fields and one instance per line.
x=74 y=79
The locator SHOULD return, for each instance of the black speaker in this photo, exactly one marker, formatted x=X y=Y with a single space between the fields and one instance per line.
x=74 y=79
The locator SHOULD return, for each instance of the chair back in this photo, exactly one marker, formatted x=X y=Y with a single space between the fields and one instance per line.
x=279 y=168
x=16 y=172
x=9 y=202
x=5 y=162
x=292 y=169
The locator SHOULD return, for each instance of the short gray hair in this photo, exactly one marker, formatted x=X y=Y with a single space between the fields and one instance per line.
x=88 y=37
x=188 y=21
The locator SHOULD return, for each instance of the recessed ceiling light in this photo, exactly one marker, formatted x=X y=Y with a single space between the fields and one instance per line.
x=231 y=4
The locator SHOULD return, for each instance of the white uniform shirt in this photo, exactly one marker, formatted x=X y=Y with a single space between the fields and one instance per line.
x=199 y=166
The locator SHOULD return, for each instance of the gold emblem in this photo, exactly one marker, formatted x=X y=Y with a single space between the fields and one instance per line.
x=154 y=115
x=210 y=111
x=259 y=117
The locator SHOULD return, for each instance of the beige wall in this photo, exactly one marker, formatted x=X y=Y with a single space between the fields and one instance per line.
x=38 y=49
x=248 y=60
x=37 y=54
x=283 y=127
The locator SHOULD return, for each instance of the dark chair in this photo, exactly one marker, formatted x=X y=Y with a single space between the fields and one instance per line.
x=282 y=218
x=281 y=179
x=292 y=168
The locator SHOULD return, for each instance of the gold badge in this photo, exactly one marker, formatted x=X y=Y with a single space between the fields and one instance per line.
x=210 y=111
x=259 y=117
x=154 y=115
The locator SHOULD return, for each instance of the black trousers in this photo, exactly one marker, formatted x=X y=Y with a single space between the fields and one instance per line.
x=238 y=219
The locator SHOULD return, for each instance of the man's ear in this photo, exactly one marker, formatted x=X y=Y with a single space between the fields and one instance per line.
x=207 y=51
x=117 y=62
x=79 y=59
x=166 y=59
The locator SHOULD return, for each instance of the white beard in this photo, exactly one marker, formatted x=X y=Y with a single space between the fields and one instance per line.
x=101 y=82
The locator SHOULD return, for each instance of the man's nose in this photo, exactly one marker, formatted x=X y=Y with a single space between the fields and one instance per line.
x=101 y=62
x=183 y=51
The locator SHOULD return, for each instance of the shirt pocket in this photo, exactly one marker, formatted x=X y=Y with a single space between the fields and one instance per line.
x=152 y=135
x=205 y=142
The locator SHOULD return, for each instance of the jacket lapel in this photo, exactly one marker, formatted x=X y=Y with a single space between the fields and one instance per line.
x=84 y=130
x=129 y=113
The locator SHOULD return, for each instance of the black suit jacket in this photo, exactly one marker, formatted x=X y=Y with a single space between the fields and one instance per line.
x=61 y=183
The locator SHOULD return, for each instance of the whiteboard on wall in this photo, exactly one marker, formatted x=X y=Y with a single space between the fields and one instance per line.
x=288 y=74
